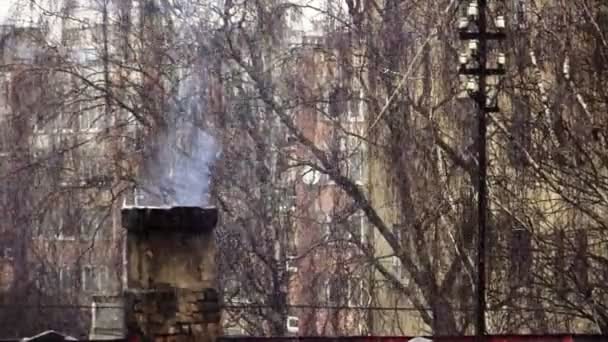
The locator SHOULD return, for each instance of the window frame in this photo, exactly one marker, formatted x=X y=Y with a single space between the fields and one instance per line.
x=100 y=274
x=520 y=257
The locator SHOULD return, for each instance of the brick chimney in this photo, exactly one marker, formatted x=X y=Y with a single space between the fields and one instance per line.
x=171 y=291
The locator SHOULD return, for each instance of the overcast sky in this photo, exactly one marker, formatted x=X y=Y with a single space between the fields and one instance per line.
x=4 y=6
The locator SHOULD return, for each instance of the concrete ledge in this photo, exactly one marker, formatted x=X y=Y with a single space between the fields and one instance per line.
x=171 y=219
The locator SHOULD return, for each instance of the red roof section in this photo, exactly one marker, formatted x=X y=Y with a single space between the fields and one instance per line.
x=494 y=338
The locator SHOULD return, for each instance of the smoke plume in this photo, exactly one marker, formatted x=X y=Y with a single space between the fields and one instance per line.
x=178 y=170
x=178 y=173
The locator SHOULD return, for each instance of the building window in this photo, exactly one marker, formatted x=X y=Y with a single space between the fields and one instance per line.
x=334 y=231
x=358 y=294
x=90 y=117
x=351 y=156
x=328 y=228
x=356 y=227
x=287 y=165
x=398 y=232
x=49 y=122
x=580 y=265
x=92 y=223
x=94 y=279
x=293 y=324
x=338 y=102
x=7 y=253
x=288 y=198
x=396 y=264
x=521 y=257
x=40 y=123
x=291 y=264
x=397 y=267
x=72 y=36
x=520 y=131
x=559 y=263
x=356 y=166
x=336 y=289
x=355 y=108
x=233 y=329
x=322 y=104
x=291 y=233
x=43 y=279
x=5 y=83
x=602 y=19
x=68 y=231
x=520 y=13
x=5 y=139
x=86 y=56
x=346 y=291
x=42 y=143
x=66 y=277
x=72 y=219
x=57 y=225
x=310 y=176
x=92 y=172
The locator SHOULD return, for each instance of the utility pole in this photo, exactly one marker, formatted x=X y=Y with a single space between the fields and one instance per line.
x=473 y=29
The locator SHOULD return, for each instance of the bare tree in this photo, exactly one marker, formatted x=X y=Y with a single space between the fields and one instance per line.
x=420 y=138
x=362 y=117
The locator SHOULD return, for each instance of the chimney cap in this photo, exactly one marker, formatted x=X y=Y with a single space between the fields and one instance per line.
x=179 y=219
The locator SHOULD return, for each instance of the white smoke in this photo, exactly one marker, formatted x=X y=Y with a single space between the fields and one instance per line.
x=178 y=171
x=187 y=156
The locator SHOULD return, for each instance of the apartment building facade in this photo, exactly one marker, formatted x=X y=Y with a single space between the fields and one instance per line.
x=539 y=254
x=328 y=282
x=333 y=280
x=58 y=186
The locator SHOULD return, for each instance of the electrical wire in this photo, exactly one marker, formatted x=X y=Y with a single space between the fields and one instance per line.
x=291 y=306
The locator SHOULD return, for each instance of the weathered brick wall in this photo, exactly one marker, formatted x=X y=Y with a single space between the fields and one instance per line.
x=171 y=291
x=171 y=258
x=174 y=315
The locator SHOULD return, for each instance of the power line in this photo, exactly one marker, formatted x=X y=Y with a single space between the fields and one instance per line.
x=324 y=307
x=294 y=306
x=225 y=306
x=478 y=40
x=393 y=308
x=59 y=306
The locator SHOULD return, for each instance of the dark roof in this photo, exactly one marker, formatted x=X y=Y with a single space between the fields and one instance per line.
x=173 y=219
x=54 y=336
x=489 y=338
